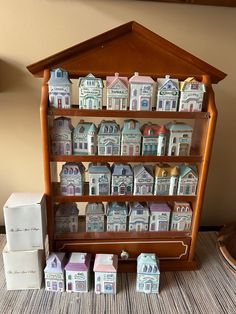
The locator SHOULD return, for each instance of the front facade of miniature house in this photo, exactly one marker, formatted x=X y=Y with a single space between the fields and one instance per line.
x=191 y=97
x=131 y=138
x=59 y=89
x=61 y=136
x=155 y=139
x=117 y=213
x=188 y=179
x=90 y=92
x=85 y=139
x=54 y=272
x=143 y=180
x=105 y=269
x=180 y=139
x=122 y=179
x=94 y=217
x=159 y=217
x=66 y=218
x=148 y=273
x=141 y=92
x=166 y=180
x=181 y=217
x=99 y=179
x=117 y=92
x=72 y=179
x=138 y=216
x=77 y=272
x=167 y=94
x=109 y=138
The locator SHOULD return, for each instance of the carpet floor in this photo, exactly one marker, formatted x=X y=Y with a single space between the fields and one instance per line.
x=211 y=289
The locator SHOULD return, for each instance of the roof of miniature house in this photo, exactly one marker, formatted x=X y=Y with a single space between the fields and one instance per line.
x=166 y=171
x=162 y=81
x=58 y=259
x=131 y=126
x=85 y=127
x=78 y=262
x=184 y=170
x=136 y=206
x=67 y=210
x=117 y=207
x=113 y=80
x=94 y=208
x=99 y=168
x=121 y=170
x=180 y=205
x=105 y=263
x=138 y=169
x=127 y=49
x=148 y=259
x=179 y=126
x=159 y=207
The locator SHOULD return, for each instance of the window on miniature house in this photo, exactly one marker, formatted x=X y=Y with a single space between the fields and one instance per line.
x=149 y=268
x=81 y=130
x=129 y=188
x=67 y=147
x=105 y=130
x=145 y=268
x=58 y=73
x=194 y=85
x=65 y=171
x=154 y=270
x=169 y=86
x=48 y=283
x=190 y=175
x=173 y=104
x=60 y=285
x=115 y=189
x=160 y=103
x=139 y=211
x=81 y=145
x=135 y=92
x=124 y=148
x=93 y=180
x=164 y=173
x=67 y=100
x=181 y=189
x=71 y=171
x=76 y=170
x=52 y=100
x=54 y=263
x=137 y=148
x=174 y=140
x=193 y=189
x=75 y=145
x=92 y=139
x=185 y=135
x=85 y=146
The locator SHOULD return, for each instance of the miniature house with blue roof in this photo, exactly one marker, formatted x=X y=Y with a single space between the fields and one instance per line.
x=61 y=136
x=109 y=138
x=90 y=92
x=148 y=273
x=85 y=139
x=66 y=217
x=166 y=179
x=117 y=213
x=143 y=180
x=167 y=94
x=122 y=179
x=117 y=92
x=131 y=137
x=138 y=216
x=94 y=217
x=72 y=179
x=59 y=89
x=188 y=180
x=99 y=179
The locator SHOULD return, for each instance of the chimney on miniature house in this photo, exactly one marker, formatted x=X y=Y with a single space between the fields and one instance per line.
x=81 y=121
x=116 y=74
x=167 y=76
x=136 y=74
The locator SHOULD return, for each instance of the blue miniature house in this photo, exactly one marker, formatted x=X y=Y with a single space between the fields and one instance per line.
x=167 y=94
x=116 y=216
x=94 y=217
x=188 y=180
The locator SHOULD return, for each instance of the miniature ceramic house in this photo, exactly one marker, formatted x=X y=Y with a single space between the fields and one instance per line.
x=167 y=94
x=148 y=273
x=181 y=217
x=105 y=268
x=94 y=217
x=61 y=136
x=116 y=216
x=131 y=137
x=66 y=218
x=85 y=139
x=90 y=92
x=180 y=139
x=54 y=272
x=138 y=216
x=141 y=92
x=159 y=217
x=155 y=139
x=143 y=180
x=59 y=89
x=109 y=138
x=122 y=179
x=72 y=179
x=166 y=180
x=117 y=92
x=188 y=179
x=191 y=96
x=77 y=272
x=99 y=179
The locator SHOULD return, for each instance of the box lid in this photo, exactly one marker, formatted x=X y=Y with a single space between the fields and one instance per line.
x=23 y=199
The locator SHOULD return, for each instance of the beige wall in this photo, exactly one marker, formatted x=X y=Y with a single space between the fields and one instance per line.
x=32 y=30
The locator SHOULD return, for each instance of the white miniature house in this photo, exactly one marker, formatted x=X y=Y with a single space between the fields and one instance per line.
x=66 y=218
x=143 y=180
x=188 y=180
x=109 y=138
x=85 y=139
x=95 y=217
x=72 y=179
x=166 y=179
x=138 y=216
x=159 y=217
x=122 y=179
x=167 y=94
x=61 y=136
x=99 y=179
x=181 y=217
x=117 y=92
x=90 y=92
x=131 y=137
x=117 y=213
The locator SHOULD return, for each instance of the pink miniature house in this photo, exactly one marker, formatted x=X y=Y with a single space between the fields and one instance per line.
x=117 y=92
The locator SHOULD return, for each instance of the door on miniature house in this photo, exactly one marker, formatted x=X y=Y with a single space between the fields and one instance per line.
x=71 y=190
x=108 y=149
x=167 y=105
x=89 y=102
x=187 y=189
x=144 y=190
x=92 y=149
x=54 y=285
x=103 y=189
x=183 y=149
x=122 y=189
x=59 y=102
x=80 y=286
x=117 y=103
x=108 y=287
x=173 y=151
x=191 y=106
x=148 y=287
x=61 y=149
x=98 y=287
x=116 y=227
x=134 y=104
x=181 y=225
x=145 y=104
x=69 y=286
x=131 y=150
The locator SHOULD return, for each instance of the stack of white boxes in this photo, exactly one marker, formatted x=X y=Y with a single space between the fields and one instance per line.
x=24 y=253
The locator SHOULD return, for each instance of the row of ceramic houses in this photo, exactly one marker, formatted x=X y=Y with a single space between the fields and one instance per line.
x=122 y=179
x=119 y=216
x=172 y=139
x=73 y=275
x=137 y=93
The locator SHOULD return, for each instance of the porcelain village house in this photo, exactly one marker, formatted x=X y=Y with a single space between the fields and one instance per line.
x=109 y=138
x=54 y=272
x=122 y=179
x=148 y=273
x=131 y=137
x=105 y=268
x=188 y=180
x=117 y=92
x=77 y=272
x=166 y=179
x=117 y=213
x=138 y=216
x=59 y=89
x=143 y=180
x=99 y=179
x=72 y=179
x=159 y=217
x=181 y=217
x=61 y=136
x=95 y=217
x=85 y=139
x=167 y=94
x=66 y=218
x=191 y=95
x=90 y=92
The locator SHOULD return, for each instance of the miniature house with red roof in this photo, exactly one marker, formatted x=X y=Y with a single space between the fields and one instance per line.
x=155 y=139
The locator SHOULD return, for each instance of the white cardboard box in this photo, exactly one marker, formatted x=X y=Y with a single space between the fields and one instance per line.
x=23 y=269
x=25 y=221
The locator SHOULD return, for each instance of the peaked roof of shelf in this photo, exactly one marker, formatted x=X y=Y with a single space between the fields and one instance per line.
x=127 y=49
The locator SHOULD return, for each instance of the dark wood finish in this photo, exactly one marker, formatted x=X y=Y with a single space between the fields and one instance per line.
x=223 y=3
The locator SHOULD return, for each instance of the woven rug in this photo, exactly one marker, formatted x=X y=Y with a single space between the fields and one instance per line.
x=212 y=289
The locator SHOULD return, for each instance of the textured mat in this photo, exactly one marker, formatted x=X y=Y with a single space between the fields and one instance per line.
x=212 y=289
